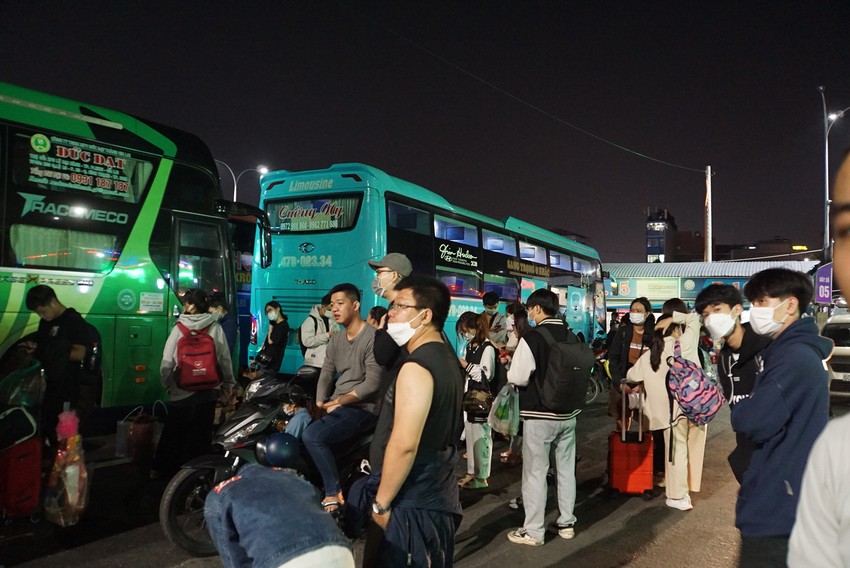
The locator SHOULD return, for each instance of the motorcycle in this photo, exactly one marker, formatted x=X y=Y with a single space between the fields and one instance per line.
x=600 y=376
x=239 y=441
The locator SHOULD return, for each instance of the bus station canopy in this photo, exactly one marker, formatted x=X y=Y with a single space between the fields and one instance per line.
x=660 y=281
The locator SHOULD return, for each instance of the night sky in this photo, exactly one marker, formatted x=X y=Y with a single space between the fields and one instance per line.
x=483 y=102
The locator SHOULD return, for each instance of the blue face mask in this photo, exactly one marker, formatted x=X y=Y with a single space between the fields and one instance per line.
x=532 y=323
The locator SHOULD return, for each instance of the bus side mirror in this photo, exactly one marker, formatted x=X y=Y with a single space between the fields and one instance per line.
x=238 y=209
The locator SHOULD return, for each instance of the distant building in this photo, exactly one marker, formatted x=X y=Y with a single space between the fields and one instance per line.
x=666 y=243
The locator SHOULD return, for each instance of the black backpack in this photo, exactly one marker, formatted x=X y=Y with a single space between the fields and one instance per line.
x=564 y=385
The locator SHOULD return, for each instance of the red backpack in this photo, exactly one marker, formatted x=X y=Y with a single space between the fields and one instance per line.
x=197 y=364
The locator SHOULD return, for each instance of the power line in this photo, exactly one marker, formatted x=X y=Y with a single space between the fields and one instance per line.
x=514 y=97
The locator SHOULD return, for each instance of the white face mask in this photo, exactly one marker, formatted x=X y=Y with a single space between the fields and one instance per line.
x=272 y=315
x=510 y=323
x=289 y=410
x=491 y=311
x=762 y=319
x=216 y=316
x=469 y=335
x=401 y=332
x=719 y=325
x=637 y=318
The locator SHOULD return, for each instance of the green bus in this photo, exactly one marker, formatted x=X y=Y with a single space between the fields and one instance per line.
x=326 y=224
x=118 y=215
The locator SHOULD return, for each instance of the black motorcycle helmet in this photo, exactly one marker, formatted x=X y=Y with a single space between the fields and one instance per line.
x=279 y=450
x=295 y=395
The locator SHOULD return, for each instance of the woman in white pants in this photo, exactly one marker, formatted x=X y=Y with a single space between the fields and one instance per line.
x=479 y=363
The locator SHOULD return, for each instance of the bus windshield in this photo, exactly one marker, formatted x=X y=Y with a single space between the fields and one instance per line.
x=307 y=215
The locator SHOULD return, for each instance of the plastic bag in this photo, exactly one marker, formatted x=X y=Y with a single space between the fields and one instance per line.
x=504 y=414
x=67 y=492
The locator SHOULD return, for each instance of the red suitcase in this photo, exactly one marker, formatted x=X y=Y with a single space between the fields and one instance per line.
x=20 y=479
x=630 y=467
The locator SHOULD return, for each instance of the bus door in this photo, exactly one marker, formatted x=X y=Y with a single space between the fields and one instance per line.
x=574 y=302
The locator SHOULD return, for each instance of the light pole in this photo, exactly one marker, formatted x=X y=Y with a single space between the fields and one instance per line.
x=829 y=119
x=260 y=169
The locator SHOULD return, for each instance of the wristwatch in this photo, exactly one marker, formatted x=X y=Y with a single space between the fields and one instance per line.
x=378 y=510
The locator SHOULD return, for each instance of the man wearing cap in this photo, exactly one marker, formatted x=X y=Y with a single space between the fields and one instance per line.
x=388 y=272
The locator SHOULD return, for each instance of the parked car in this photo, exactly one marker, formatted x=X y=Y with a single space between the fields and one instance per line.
x=837 y=329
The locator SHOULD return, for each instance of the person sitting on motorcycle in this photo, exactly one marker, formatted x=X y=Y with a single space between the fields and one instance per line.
x=296 y=405
x=349 y=390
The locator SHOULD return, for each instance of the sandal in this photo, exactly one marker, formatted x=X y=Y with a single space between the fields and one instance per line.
x=465 y=479
x=475 y=483
x=333 y=503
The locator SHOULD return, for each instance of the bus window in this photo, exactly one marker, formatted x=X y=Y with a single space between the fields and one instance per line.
x=408 y=218
x=455 y=231
x=62 y=248
x=460 y=282
x=335 y=213
x=506 y=287
x=501 y=244
x=200 y=262
x=533 y=253
x=584 y=266
x=560 y=260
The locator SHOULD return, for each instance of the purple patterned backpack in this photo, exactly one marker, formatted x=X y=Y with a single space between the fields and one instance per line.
x=693 y=388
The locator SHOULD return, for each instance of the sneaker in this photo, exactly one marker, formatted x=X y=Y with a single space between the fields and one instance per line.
x=515 y=503
x=683 y=504
x=563 y=531
x=520 y=536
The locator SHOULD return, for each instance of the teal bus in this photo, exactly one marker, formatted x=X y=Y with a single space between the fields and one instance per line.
x=118 y=215
x=326 y=224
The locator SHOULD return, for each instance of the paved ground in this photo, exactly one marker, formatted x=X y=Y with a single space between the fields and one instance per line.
x=120 y=526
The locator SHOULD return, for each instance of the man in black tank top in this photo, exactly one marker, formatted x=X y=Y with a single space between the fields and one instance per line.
x=415 y=499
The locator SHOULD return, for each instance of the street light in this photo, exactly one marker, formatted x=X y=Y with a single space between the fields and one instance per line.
x=829 y=119
x=260 y=169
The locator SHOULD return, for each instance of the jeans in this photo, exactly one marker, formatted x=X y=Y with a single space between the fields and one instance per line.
x=539 y=438
x=265 y=517
x=343 y=424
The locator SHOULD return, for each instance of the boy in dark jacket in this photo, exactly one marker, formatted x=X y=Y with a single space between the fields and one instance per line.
x=784 y=414
x=543 y=429
x=739 y=360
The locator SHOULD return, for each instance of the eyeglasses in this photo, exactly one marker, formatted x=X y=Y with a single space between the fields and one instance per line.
x=396 y=307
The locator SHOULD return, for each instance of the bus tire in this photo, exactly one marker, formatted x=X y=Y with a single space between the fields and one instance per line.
x=181 y=511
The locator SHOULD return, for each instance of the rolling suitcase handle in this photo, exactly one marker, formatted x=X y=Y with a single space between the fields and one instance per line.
x=623 y=423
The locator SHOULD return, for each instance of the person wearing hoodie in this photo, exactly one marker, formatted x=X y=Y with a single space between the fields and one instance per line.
x=786 y=411
x=739 y=356
x=314 y=334
x=187 y=432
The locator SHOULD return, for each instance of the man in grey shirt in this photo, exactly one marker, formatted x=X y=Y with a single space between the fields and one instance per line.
x=355 y=379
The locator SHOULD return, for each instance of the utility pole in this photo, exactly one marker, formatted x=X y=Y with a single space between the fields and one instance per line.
x=708 y=239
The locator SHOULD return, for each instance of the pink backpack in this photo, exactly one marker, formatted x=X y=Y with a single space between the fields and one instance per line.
x=693 y=388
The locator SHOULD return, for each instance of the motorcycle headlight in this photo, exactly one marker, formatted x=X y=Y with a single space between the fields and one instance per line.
x=237 y=436
x=252 y=389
